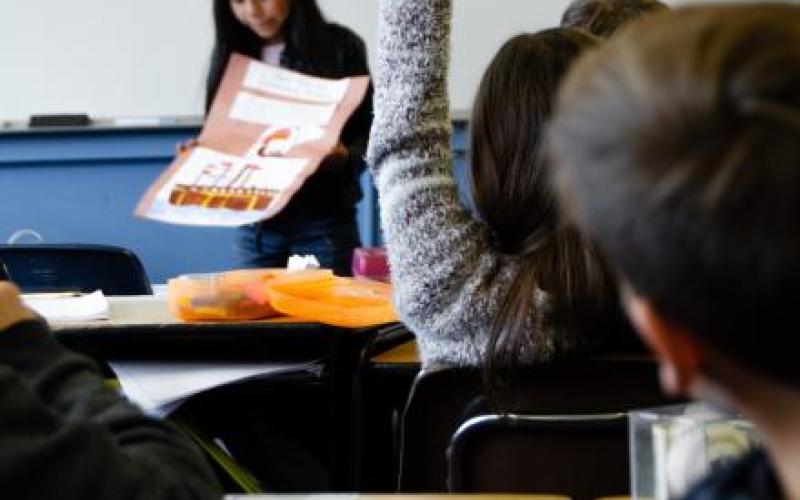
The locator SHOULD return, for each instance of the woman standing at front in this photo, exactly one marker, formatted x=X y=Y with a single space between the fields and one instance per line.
x=293 y=34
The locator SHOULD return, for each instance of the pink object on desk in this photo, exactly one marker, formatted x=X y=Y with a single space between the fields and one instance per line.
x=371 y=263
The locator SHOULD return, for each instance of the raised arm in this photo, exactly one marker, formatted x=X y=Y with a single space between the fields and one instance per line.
x=443 y=268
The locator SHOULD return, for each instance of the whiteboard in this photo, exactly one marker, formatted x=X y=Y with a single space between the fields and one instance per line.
x=115 y=58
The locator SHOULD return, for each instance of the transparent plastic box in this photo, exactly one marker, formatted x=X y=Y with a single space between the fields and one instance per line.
x=232 y=295
x=673 y=447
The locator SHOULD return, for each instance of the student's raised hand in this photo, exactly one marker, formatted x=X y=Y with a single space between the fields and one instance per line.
x=186 y=146
x=337 y=157
x=12 y=310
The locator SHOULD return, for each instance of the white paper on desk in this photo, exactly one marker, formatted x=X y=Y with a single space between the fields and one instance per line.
x=62 y=309
x=160 y=388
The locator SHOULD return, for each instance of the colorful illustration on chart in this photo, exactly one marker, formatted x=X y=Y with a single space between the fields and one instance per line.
x=223 y=185
x=276 y=142
x=267 y=132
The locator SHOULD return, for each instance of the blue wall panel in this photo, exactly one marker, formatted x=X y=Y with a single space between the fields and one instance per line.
x=81 y=186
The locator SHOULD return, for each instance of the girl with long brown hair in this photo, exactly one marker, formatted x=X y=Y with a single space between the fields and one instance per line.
x=517 y=285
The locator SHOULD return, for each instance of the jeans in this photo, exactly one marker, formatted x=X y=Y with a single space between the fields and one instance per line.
x=330 y=240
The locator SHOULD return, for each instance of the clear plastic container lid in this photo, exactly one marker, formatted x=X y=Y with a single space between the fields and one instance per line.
x=673 y=447
x=220 y=296
x=331 y=300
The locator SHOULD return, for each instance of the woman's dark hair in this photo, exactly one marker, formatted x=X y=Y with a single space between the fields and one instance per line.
x=513 y=196
x=676 y=147
x=604 y=17
x=306 y=34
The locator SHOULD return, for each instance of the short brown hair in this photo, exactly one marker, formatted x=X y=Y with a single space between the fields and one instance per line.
x=677 y=147
x=604 y=17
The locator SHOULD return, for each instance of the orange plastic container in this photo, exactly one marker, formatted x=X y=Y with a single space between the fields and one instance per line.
x=331 y=300
x=222 y=296
x=258 y=291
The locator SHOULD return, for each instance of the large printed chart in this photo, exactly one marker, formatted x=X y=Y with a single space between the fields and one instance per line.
x=268 y=130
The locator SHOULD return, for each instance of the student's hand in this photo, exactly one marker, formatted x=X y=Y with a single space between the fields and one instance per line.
x=337 y=157
x=185 y=147
x=12 y=310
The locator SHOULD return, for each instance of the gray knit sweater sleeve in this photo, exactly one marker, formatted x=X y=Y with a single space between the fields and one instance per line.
x=448 y=280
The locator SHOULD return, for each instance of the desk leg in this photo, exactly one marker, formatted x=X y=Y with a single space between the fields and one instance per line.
x=345 y=353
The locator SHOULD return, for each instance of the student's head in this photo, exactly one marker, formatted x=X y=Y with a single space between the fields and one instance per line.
x=265 y=18
x=677 y=148
x=245 y=26
x=247 y=23
x=512 y=195
x=603 y=17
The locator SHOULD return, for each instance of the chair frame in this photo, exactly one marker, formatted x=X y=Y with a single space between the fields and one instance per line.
x=443 y=399
x=141 y=281
x=477 y=430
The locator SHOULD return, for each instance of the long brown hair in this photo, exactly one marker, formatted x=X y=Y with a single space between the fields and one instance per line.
x=513 y=196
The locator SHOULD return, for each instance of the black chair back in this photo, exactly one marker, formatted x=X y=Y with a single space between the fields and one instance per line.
x=442 y=400
x=74 y=267
x=580 y=456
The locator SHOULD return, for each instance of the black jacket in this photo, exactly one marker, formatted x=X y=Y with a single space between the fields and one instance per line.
x=334 y=192
x=64 y=435
x=751 y=478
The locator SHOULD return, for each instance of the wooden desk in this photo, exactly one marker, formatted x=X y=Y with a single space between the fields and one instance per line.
x=141 y=328
x=397 y=497
x=404 y=354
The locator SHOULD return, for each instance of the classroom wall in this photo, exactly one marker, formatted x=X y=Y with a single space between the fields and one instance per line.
x=113 y=58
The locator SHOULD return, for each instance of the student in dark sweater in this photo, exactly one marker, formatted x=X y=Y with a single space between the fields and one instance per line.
x=293 y=34
x=676 y=149
x=64 y=435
